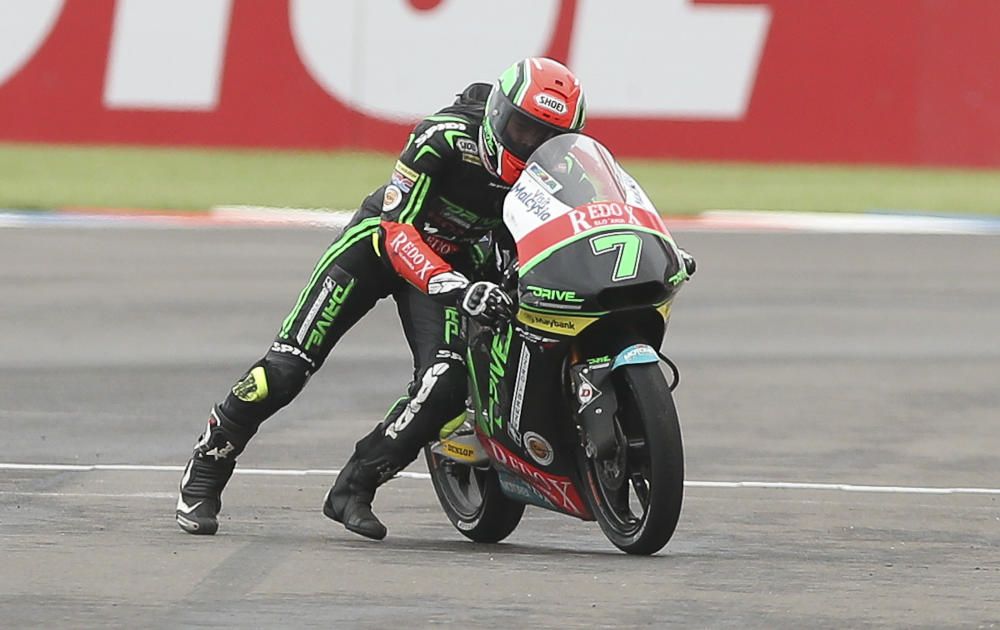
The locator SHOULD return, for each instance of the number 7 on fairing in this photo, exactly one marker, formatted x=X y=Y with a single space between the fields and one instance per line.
x=629 y=248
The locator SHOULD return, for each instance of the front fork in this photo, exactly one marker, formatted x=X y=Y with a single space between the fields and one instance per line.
x=595 y=400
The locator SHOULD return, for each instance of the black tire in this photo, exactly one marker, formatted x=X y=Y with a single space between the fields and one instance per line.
x=647 y=475
x=472 y=499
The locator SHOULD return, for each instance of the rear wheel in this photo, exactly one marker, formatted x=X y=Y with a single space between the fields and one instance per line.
x=636 y=493
x=472 y=499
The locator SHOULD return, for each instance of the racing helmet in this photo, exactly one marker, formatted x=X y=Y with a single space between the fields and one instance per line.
x=534 y=100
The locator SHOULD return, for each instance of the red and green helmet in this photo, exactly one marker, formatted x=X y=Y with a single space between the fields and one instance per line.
x=534 y=100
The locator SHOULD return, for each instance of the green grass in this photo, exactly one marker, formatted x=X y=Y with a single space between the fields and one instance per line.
x=682 y=187
x=44 y=176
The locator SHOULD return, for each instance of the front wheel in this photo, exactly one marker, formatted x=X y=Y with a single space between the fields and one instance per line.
x=472 y=499
x=636 y=494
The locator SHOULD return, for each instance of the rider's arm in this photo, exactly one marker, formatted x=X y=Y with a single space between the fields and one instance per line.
x=421 y=165
x=425 y=160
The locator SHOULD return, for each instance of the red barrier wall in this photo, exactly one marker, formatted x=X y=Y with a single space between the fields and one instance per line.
x=884 y=81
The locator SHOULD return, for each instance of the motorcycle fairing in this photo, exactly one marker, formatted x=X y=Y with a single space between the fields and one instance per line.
x=576 y=216
x=577 y=224
x=571 y=188
x=574 y=281
x=516 y=488
x=555 y=492
x=515 y=393
x=564 y=325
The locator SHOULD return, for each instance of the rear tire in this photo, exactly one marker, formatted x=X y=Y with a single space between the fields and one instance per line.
x=472 y=499
x=636 y=495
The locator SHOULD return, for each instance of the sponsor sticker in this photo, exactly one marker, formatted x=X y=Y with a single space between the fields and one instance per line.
x=393 y=195
x=440 y=245
x=556 y=490
x=400 y=181
x=599 y=362
x=458 y=451
x=411 y=253
x=465 y=145
x=638 y=353
x=527 y=335
x=406 y=171
x=539 y=448
x=558 y=295
x=285 y=348
x=594 y=215
x=512 y=486
x=535 y=202
x=447 y=126
x=586 y=393
x=567 y=325
x=552 y=103
x=514 y=427
x=328 y=286
x=337 y=295
x=542 y=177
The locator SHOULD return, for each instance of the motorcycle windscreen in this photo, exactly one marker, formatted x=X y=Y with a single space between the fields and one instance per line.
x=570 y=186
x=588 y=239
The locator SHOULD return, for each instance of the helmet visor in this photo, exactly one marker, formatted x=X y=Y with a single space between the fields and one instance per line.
x=516 y=131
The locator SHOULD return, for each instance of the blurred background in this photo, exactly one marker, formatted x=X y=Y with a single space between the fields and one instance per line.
x=833 y=105
x=838 y=344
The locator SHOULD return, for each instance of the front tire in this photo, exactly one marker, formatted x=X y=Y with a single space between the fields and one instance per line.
x=472 y=499
x=636 y=494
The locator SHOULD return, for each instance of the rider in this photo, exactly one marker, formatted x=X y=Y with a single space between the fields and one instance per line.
x=415 y=238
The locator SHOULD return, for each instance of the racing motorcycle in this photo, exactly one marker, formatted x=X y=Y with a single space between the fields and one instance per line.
x=570 y=409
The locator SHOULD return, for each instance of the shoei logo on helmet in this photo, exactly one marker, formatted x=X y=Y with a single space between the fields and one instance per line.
x=551 y=103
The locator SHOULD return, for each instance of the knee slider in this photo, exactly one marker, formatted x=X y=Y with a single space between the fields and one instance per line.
x=286 y=376
x=269 y=385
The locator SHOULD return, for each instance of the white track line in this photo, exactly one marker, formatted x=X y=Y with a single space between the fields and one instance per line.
x=90 y=495
x=712 y=220
x=292 y=472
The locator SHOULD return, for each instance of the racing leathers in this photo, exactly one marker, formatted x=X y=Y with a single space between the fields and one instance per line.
x=418 y=238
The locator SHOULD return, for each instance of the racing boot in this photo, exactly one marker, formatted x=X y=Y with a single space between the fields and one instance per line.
x=349 y=501
x=207 y=473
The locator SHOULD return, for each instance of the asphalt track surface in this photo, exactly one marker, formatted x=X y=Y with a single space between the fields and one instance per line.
x=832 y=359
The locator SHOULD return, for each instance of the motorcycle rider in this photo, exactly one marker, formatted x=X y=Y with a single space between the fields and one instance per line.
x=414 y=238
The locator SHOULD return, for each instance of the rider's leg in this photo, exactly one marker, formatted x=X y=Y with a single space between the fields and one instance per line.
x=269 y=385
x=435 y=396
x=345 y=284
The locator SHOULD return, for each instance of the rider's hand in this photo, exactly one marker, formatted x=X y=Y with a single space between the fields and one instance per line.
x=486 y=303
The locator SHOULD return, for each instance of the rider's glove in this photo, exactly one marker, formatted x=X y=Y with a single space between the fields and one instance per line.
x=689 y=263
x=486 y=303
